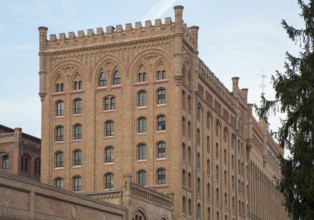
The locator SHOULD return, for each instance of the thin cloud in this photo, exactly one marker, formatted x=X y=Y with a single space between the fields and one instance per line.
x=159 y=9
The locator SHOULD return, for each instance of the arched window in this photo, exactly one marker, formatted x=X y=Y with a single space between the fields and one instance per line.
x=59 y=159
x=189 y=104
x=77 y=183
x=208 y=190
x=116 y=78
x=208 y=213
x=37 y=166
x=198 y=185
x=161 y=74
x=59 y=84
x=142 y=98
x=183 y=126
x=109 y=128
x=225 y=177
x=141 y=149
x=217 y=195
x=77 y=82
x=226 y=135
x=183 y=151
x=198 y=161
x=217 y=128
x=189 y=155
x=183 y=178
x=161 y=149
x=142 y=77
x=109 y=154
x=142 y=178
x=161 y=176
x=190 y=207
x=232 y=162
x=189 y=129
x=59 y=108
x=25 y=160
x=189 y=180
x=209 y=121
x=198 y=137
x=77 y=131
x=77 y=157
x=225 y=156
x=208 y=144
x=5 y=161
x=141 y=125
x=217 y=151
x=226 y=200
x=217 y=172
x=109 y=103
x=77 y=103
x=108 y=181
x=161 y=96
x=208 y=167
x=102 y=80
x=198 y=211
x=184 y=205
x=161 y=122
x=59 y=133
x=59 y=182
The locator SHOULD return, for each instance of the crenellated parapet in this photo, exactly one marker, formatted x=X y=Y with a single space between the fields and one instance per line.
x=119 y=34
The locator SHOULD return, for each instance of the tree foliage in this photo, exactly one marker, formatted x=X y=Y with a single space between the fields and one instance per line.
x=295 y=93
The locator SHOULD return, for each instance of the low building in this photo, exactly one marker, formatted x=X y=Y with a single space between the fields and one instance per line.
x=19 y=153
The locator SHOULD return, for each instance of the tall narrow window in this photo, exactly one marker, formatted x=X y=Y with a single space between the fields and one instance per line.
x=5 y=161
x=109 y=103
x=109 y=128
x=141 y=149
x=225 y=157
x=59 y=108
x=108 y=181
x=59 y=182
x=161 y=149
x=59 y=133
x=77 y=132
x=142 y=125
x=142 y=98
x=77 y=106
x=183 y=151
x=59 y=159
x=116 y=78
x=102 y=80
x=161 y=74
x=190 y=207
x=198 y=161
x=217 y=151
x=25 y=162
x=108 y=154
x=37 y=166
x=184 y=205
x=142 y=178
x=77 y=157
x=59 y=87
x=142 y=77
x=217 y=173
x=198 y=185
x=77 y=183
x=189 y=180
x=208 y=190
x=183 y=178
x=208 y=167
x=161 y=96
x=189 y=155
x=161 y=121
x=189 y=104
x=161 y=176
x=77 y=85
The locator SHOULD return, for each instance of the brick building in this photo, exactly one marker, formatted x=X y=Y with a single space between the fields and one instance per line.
x=138 y=102
x=19 y=152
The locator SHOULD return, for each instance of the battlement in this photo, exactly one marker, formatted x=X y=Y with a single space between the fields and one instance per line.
x=113 y=30
x=148 y=29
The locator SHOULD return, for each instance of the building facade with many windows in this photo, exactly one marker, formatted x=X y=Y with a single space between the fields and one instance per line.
x=138 y=101
x=19 y=153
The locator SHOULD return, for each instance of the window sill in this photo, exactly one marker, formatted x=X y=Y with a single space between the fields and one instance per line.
x=59 y=116
x=162 y=131
x=141 y=133
x=142 y=107
x=58 y=93
x=109 y=137
x=77 y=140
x=160 y=81
x=109 y=163
x=77 y=91
x=109 y=110
x=76 y=166
x=77 y=114
x=141 y=161
x=161 y=105
x=102 y=88
x=141 y=83
x=161 y=158
x=59 y=168
x=59 y=142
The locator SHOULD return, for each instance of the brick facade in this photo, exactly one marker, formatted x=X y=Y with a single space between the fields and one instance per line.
x=139 y=101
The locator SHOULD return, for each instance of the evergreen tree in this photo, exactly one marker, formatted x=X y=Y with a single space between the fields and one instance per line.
x=295 y=95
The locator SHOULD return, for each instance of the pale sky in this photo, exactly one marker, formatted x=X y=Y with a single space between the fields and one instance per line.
x=241 y=38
